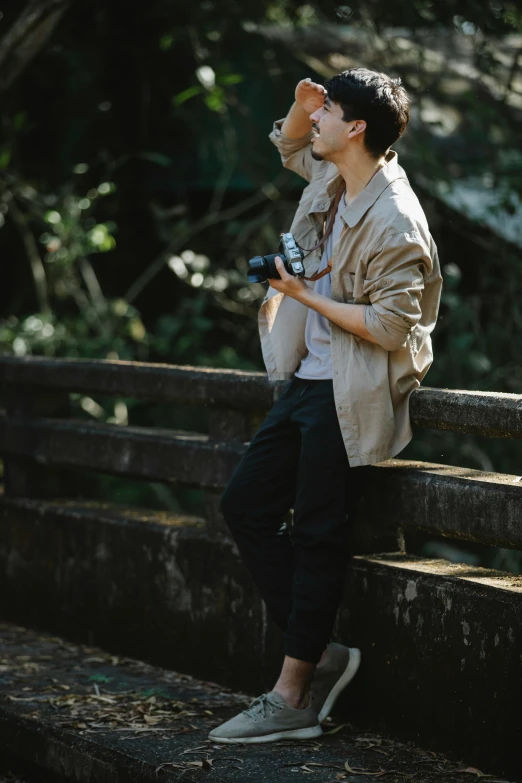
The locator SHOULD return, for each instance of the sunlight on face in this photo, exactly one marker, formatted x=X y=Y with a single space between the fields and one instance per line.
x=330 y=132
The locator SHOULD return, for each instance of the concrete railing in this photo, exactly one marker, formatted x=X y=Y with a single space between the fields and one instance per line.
x=441 y=642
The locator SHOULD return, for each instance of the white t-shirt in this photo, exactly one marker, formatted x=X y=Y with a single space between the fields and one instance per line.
x=317 y=363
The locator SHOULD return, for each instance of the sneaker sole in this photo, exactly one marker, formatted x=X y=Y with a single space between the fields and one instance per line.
x=309 y=733
x=342 y=682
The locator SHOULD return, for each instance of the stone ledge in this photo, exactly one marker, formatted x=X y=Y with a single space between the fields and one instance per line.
x=192 y=459
x=237 y=389
x=463 y=503
x=135 y=587
x=492 y=414
x=442 y=649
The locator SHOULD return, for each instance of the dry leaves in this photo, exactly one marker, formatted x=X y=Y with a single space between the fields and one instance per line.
x=299 y=766
x=305 y=767
x=205 y=763
x=358 y=771
x=337 y=728
x=129 y=712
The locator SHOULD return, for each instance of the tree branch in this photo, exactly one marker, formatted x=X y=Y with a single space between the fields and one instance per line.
x=512 y=71
x=211 y=219
x=27 y=36
x=33 y=256
x=93 y=286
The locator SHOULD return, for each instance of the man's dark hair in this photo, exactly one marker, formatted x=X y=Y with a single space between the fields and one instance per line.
x=378 y=99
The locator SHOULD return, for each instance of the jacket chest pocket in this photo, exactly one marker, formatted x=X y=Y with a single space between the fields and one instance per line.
x=357 y=293
x=301 y=224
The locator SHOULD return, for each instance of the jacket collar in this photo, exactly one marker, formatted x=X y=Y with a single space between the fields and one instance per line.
x=353 y=213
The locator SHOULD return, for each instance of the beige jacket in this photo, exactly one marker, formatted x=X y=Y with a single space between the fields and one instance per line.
x=386 y=261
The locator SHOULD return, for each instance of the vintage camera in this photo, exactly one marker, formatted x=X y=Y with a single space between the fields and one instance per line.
x=260 y=268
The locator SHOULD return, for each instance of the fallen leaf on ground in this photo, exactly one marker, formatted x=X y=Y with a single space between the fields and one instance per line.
x=202 y=764
x=317 y=764
x=357 y=771
x=372 y=740
x=300 y=764
x=334 y=731
x=474 y=771
x=151 y=720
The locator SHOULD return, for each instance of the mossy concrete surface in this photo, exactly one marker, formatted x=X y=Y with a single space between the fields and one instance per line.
x=76 y=713
x=441 y=643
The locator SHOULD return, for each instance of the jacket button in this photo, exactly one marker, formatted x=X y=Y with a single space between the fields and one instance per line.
x=322 y=205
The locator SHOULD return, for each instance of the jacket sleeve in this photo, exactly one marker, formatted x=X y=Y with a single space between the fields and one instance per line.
x=296 y=154
x=394 y=283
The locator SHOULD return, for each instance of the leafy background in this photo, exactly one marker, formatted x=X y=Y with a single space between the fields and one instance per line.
x=136 y=180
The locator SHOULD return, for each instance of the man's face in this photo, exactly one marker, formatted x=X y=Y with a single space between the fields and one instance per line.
x=330 y=137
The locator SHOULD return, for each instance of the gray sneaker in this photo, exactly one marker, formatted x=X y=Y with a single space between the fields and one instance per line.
x=269 y=718
x=333 y=676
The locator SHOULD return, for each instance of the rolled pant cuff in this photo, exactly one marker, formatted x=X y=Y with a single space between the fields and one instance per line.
x=303 y=652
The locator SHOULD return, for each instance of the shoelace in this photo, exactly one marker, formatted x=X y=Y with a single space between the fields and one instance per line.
x=260 y=705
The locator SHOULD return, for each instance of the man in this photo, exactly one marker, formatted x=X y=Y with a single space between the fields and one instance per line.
x=354 y=338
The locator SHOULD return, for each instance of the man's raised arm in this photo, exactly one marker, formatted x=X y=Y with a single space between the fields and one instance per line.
x=309 y=97
x=292 y=135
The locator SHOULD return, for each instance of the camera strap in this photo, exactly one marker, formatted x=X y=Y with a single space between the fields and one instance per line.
x=330 y=220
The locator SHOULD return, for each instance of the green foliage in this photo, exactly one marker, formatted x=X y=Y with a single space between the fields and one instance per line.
x=61 y=233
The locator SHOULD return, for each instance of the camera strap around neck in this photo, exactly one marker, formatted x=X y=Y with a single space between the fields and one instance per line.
x=330 y=220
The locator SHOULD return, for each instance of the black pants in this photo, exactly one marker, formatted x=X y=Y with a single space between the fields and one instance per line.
x=296 y=460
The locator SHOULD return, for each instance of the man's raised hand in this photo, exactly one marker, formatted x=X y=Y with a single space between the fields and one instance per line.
x=309 y=95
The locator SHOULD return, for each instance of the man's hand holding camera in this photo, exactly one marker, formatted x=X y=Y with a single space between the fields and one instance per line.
x=289 y=284
x=349 y=317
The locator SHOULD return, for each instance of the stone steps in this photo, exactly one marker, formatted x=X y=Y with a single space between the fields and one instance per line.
x=73 y=712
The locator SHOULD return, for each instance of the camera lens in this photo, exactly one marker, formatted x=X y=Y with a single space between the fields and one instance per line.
x=263 y=268
x=257 y=270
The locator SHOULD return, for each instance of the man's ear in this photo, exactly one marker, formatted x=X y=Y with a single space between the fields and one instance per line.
x=359 y=126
